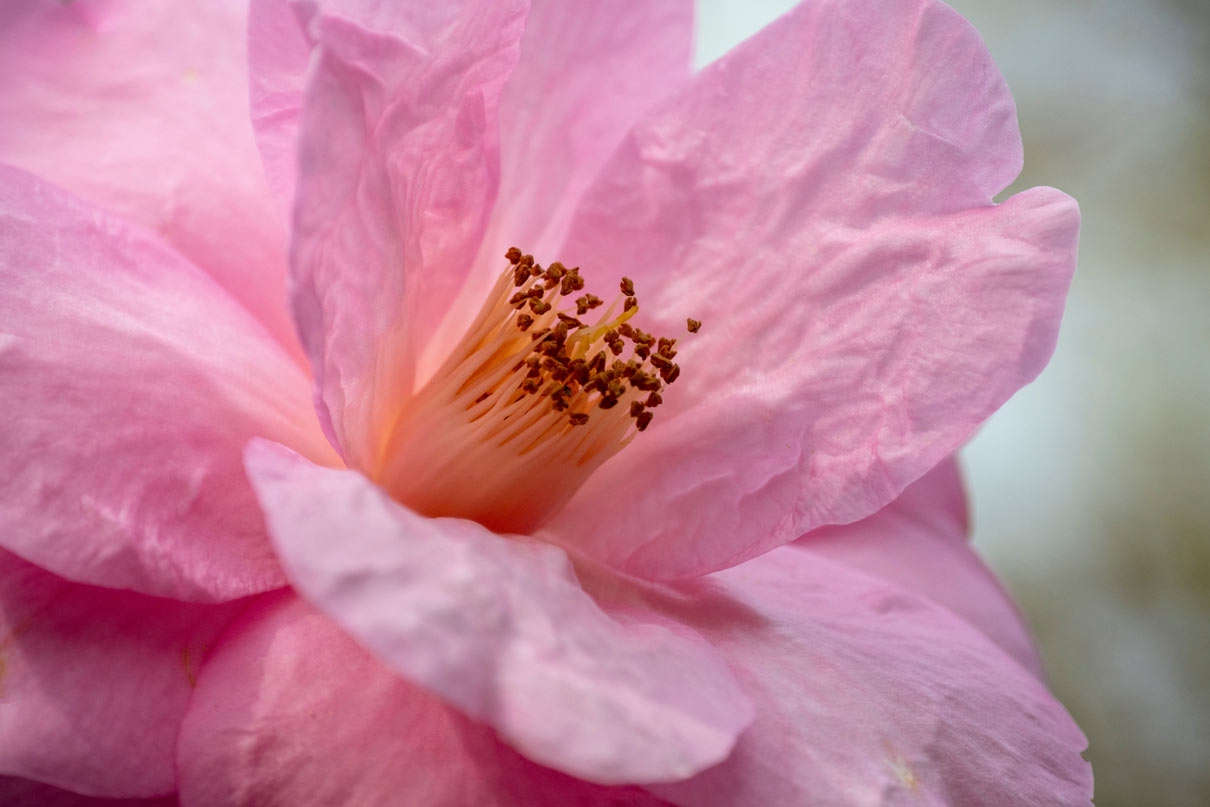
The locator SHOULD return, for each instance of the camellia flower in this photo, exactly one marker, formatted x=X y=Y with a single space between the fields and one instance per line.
x=466 y=542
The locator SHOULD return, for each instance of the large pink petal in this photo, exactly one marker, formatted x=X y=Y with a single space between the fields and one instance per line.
x=131 y=383
x=500 y=628
x=820 y=198
x=587 y=71
x=291 y=711
x=866 y=694
x=919 y=543
x=399 y=165
x=142 y=109
x=94 y=683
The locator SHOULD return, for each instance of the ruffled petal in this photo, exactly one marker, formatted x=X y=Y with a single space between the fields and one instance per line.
x=142 y=109
x=499 y=628
x=820 y=198
x=93 y=682
x=918 y=542
x=865 y=694
x=587 y=70
x=399 y=166
x=131 y=383
x=291 y=711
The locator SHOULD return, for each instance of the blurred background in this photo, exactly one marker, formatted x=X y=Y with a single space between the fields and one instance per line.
x=1091 y=488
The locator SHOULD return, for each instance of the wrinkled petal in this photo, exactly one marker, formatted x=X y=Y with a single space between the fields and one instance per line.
x=919 y=543
x=820 y=198
x=399 y=166
x=288 y=689
x=25 y=793
x=865 y=695
x=278 y=54
x=499 y=628
x=142 y=109
x=93 y=682
x=587 y=71
x=131 y=384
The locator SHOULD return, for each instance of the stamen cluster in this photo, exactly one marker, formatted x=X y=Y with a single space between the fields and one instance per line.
x=560 y=366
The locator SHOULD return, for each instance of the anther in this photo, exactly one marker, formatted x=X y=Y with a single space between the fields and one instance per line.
x=627 y=286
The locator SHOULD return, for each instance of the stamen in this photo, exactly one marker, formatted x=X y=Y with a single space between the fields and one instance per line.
x=527 y=404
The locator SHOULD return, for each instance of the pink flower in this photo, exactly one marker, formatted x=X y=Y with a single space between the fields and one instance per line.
x=202 y=595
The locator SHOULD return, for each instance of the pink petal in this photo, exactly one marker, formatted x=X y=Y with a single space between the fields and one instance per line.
x=866 y=694
x=93 y=682
x=820 y=199
x=142 y=109
x=587 y=70
x=131 y=384
x=25 y=793
x=399 y=164
x=290 y=711
x=499 y=628
x=918 y=542
x=278 y=53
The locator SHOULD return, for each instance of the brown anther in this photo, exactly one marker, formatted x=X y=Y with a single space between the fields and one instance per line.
x=513 y=255
x=560 y=332
x=527 y=260
x=570 y=320
x=643 y=421
x=671 y=375
x=587 y=303
x=598 y=362
x=578 y=418
x=518 y=299
x=536 y=335
x=630 y=369
x=643 y=381
x=653 y=400
x=531 y=385
x=627 y=286
x=608 y=403
x=642 y=351
x=520 y=275
x=627 y=330
x=661 y=362
x=556 y=270
x=524 y=321
x=539 y=306
x=631 y=302
x=636 y=408
x=643 y=337
x=616 y=347
x=694 y=325
x=666 y=347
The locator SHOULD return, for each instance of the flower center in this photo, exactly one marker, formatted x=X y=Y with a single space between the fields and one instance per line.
x=529 y=403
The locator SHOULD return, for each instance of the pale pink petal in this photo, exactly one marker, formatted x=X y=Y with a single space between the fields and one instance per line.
x=278 y=53
x=399 y=165
x=25 y=793
x=291 y=711
x=142 y=109
x=131 y=384
x=820 y=199
x=865 y=694
x=587 y=71
x=919 y=543
x=93 y=682
x=500 y=628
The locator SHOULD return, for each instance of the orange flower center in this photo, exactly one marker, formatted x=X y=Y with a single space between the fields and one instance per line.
x=529 y=403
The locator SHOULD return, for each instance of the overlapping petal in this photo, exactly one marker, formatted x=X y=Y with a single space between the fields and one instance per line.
x=93 y=683
x=131 y=383
x=142 y=109
x=399 y=165
x=820 y=197
x=288 y=689
x=918 y=542
x=26 y=793
x=865 y=694
x=501 y=629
